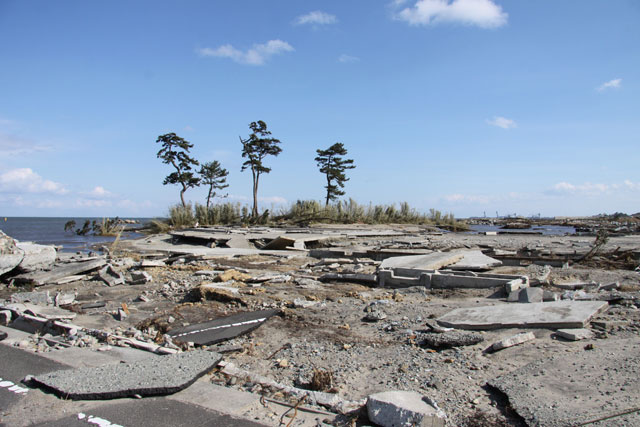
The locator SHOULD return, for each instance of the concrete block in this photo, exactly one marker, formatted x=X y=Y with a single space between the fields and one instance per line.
x=530 y=295
x=574 y=334
x=475 y=261
x=512 y=341
x=41 y=298
x=404 y=408
x=5 y=317
x=110 y=276
x=548 y=296
x=36 y=257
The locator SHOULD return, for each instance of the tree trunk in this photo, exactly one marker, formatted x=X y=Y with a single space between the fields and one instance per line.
x=254 y=211
x=328 y=190
x=209 y=197
x=184 y=205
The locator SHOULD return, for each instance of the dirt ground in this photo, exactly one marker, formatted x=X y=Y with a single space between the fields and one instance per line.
x=323 y=339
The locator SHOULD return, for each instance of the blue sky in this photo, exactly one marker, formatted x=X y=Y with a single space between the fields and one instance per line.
x=467 y=106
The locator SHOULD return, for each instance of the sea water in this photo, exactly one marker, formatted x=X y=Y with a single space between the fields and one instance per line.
x=50 y=231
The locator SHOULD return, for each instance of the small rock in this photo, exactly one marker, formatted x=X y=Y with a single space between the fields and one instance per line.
x=512 y=341
x=404 y=408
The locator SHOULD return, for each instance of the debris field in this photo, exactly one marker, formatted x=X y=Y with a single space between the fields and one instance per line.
x=392 y=325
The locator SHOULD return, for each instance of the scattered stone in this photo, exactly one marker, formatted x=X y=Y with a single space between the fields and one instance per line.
x=513 y=341
x=143 y=298
x=610 y=286
x=10 y=254
x=3 y=335
x=432 y=261
x=308 y=283
x=160 y=375
x=574 y=334
x=404 y=408
x=40 y=278
x=374 y=316
x=303 y=303
x=121 y=315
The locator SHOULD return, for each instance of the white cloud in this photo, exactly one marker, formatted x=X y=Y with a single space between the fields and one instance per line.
x=257 y=55
x=276 y=200
x=482 y=13
x=99 y=192
x=11 y=145
x=502 y=122
x=588 y=189
x=611 y=84
x=316 y=18
x=344 y=58
x=26 y=180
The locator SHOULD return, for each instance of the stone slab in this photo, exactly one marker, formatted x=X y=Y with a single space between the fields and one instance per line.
x=558 y=314
x=530 y=295
x=40 y=278
x=223 y=328
x=150 y=377
x=218 y=398
x=572 y=389
x=432 y=261
x=403 y=408
x=10 y=254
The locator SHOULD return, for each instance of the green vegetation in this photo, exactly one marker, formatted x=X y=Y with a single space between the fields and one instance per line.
x=215 y=176
x=333 y=166
x=175 y=152
x=105 y=227
x=255 y=148
x=308 y=212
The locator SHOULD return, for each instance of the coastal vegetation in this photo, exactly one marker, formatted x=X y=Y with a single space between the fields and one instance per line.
x=255 y=149
x=104 y=227
x=305 y=212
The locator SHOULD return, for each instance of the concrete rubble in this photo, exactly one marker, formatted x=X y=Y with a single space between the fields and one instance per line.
x=322 y=318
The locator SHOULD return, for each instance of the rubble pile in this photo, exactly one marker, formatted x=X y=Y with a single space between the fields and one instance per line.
x=380 y=324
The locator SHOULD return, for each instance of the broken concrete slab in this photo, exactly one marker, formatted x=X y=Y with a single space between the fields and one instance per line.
x=40 y=278
x=574 y=334
x=404 y=408
x=111 y=276
x=149 y=263
x=432 y=261
x=559 y=314
x=36 y=257
x=513 y=341
x=569 y=391
x=475 y=261
x=223 y=328
x=151 y=377
x=370 y=279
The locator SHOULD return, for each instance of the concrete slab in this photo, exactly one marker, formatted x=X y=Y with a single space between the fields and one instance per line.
x=558 y=314
x=218 y=398
x=574 y=389
x=10 y=254
x=45 y=312
x=40 y=278
x=475 y=261
x=432 y=261
x=448 y=279
x=149 y=377
x=513 y=341
x=36 y=257
x=223 y=328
